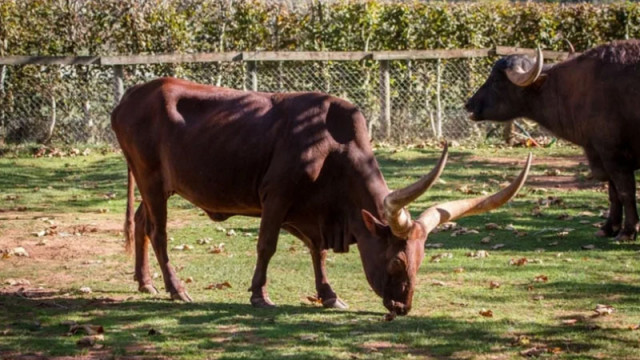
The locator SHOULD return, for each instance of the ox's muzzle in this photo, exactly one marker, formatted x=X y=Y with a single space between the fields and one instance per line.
x=396 y=307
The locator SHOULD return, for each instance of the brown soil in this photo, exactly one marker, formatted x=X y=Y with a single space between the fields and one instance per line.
x=566 y=180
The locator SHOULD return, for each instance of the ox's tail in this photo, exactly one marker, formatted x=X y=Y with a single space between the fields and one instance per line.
x=128 y=221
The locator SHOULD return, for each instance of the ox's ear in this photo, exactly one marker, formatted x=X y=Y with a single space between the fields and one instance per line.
x=374 y=225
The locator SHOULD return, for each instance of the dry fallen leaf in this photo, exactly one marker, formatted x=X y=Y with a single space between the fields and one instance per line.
x=314 y=300
x=497 y=246
x=14 y=282
x=588 y=247
x=308 y=337
x=218 y=286
x=182 y=247
x=458 y=270
x=541 y=278
x=90 y=340
x=486 y=313
x=437 y=257
x=87 y=329
x=634 y=327
x=494 y=285
x=216 y=249
x=491 y=226
x=85 y=290
x=480 y=254
x=602 y=310
x=20 y=251
x=538 y=297
x=518 y=262
x=569 y=321
x=438 y=283
x=521 y=340
x=203 y=241
x=534 y=351
x=486 y=240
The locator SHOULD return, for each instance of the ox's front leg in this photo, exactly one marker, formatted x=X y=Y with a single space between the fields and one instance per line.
x=613 y=224
x=325 y=292
x=273 y=215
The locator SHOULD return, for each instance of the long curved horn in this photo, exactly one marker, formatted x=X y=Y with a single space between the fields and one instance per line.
x=397 y=216
x=525 y=78
x=572 y=50
x=452 y=210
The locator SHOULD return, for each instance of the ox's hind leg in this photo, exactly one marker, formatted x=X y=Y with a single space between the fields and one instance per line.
x=156 y=214
x=623 y=180
x=626 y=188
x=142 y=233
x=613 y=224
x=273 y=214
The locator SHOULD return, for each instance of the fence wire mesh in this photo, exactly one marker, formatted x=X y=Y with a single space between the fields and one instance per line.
x=72 y=104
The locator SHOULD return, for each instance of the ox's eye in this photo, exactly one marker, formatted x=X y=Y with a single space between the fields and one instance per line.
x=395 y=266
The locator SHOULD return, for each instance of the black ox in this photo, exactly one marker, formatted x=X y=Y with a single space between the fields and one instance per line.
x=590 y=100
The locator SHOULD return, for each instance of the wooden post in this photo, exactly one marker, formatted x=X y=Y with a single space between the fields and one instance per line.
x=385 y=96
x=438 y=99
x=52 y=124
x=507 y=132
x=3 y=129
x=253 y=74
x=118 y=83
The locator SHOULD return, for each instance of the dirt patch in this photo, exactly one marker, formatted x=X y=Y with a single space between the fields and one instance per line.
x=568 y=177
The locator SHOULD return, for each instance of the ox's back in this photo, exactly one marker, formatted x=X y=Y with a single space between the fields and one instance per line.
x=220 y=148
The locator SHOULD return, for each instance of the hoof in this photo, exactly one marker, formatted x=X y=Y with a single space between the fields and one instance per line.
x=607 y=232
x=601 y=234
x=626 y=237
x=262 y=303
x=149 y=289
x=181 y=296
x=335 y=303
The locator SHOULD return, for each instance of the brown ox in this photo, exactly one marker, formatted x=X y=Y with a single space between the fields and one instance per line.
x=300 y=161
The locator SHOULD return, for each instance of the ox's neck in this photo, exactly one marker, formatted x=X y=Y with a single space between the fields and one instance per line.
x=550 y=106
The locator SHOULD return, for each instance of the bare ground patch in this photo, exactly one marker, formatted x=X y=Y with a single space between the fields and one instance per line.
x=566 y=178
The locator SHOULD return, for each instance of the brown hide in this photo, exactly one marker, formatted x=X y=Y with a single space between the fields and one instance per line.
x=301 y=162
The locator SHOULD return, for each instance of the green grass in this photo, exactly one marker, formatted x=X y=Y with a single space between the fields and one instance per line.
x=444 y=322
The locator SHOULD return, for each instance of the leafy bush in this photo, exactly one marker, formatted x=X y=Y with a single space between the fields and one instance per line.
x=41 y=27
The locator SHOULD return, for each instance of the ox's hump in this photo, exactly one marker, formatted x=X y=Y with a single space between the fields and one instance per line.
x=616 y=52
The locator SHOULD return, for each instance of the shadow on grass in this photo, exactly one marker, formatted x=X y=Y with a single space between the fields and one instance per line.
x=235 y=330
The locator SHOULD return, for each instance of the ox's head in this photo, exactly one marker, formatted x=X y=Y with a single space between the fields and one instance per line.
x=504 y=95
x=401 y=239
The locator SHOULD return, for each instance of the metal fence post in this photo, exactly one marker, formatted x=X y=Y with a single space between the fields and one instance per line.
x=385 y=97
x=118 y=83
x=438 y=99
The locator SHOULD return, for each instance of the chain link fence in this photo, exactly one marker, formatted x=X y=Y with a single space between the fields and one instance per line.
x=72 y=103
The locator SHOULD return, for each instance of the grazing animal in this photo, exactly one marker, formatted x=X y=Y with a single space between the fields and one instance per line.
x=300 y=161
x=590 y=100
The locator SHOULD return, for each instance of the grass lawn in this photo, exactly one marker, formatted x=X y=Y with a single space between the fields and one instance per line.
x=67 y=213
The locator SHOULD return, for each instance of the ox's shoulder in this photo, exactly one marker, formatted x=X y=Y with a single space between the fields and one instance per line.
x=616 y=52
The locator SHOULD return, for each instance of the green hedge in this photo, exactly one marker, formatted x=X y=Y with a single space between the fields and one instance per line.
x=44 y=27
